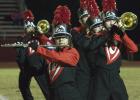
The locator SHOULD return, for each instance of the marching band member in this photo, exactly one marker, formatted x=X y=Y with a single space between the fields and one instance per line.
x=82 y=71
x=31 y=65
x=109 y=84
x=62 y=61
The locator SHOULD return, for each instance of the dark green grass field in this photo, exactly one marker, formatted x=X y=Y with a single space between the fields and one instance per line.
x=9 y=84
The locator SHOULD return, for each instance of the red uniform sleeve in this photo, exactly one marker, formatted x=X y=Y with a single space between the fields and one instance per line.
x=69 y=56
x=131 y=46
x=44 y=39
x=117 y=37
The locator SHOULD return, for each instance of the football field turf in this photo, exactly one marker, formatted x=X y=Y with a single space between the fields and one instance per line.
x=9 y=84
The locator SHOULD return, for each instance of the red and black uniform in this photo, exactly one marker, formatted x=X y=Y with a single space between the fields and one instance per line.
x=62 y=72
x=32 y=65
x=108 y=83
x=83 y=70
x=89 y=46
x=108 y=63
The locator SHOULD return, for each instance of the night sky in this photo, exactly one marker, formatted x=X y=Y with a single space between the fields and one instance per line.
x=44 y=9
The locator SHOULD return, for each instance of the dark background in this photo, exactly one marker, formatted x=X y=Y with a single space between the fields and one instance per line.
x=44 y=9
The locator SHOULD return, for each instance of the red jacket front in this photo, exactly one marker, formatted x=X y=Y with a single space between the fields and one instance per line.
x=68 y=56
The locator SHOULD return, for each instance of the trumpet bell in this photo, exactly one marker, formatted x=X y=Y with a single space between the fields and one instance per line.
x=43 y=26
x=128 y=21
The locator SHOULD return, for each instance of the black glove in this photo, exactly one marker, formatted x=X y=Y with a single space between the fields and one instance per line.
x=34 y=44
x=117 y=30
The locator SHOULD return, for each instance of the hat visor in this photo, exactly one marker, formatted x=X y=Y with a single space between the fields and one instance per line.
x=111 y=18
x=62 y=34
x=84 y=15
x=95 y=25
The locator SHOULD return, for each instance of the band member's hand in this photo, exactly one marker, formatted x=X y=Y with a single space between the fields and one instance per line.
x=34 y=44
x=117 y=30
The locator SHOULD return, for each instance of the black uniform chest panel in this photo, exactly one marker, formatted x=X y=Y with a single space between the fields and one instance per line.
x=109 y=56
x=35 y=60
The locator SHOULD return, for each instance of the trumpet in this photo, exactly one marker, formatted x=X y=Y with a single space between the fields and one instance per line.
x=128 y=21
x=43 y=26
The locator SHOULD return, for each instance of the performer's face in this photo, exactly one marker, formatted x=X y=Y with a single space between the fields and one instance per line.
x=29 y=27
x=110 y=23
x=97 y=30
x=62 y=41
x=30 y=30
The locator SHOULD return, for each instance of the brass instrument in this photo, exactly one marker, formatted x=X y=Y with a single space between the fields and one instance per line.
x=43 y=26
x=128 y=21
